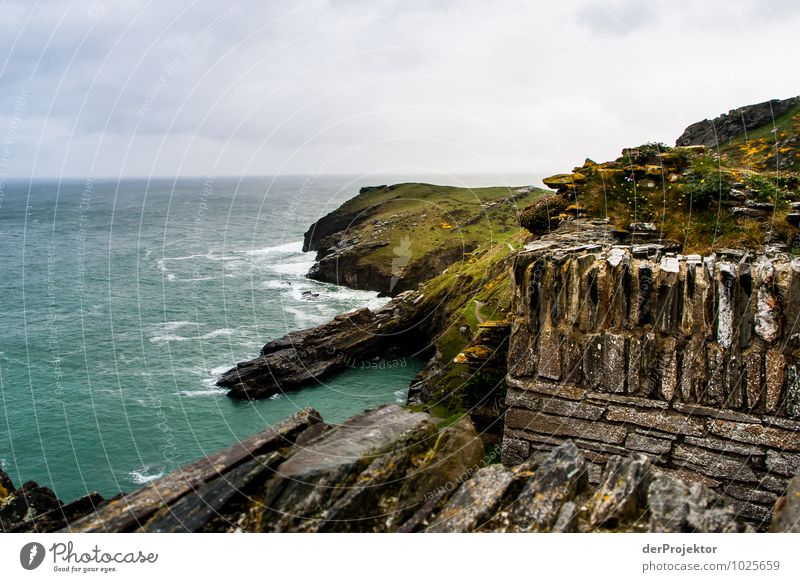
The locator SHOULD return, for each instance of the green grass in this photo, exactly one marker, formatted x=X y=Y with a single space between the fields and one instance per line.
x=423 y=221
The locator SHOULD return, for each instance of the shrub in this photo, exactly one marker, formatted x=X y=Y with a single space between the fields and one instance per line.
x=542 y=215
x=767 y=189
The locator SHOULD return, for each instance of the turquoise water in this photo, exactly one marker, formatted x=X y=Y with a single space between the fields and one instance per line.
x=121 y=302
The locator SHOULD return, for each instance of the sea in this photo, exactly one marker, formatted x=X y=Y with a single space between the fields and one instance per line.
x=121 y=303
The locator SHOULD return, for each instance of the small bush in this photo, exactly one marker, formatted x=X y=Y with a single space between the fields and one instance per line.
x=767 y=189
x=542 y=215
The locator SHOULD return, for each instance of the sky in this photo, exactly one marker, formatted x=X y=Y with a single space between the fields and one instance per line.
x=117 y=88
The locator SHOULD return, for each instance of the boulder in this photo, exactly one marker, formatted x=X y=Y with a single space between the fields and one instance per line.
x=676 y=506
x=786 y=515
x=622 y=493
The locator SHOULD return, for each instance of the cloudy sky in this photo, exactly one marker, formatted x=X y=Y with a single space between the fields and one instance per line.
x=141 y=88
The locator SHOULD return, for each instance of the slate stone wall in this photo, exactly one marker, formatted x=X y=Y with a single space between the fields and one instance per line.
x=692 y=360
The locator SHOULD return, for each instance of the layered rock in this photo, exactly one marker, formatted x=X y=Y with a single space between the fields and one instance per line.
x=394 y=470
x=712 y=132
x=33 y=508
x=302 y=357
x=691 y=360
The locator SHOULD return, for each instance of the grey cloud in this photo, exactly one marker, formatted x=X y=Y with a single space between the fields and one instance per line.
x=615 y=18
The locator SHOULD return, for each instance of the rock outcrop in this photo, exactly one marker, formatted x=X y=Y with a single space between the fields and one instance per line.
x=712 y=132
x=33 y=508
x=394 y=470
x=390 y=239
x=305 y=356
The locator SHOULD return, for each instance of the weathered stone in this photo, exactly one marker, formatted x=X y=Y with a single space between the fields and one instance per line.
x=567 y=520
x=622 y=494
x=561 y=476
x=715 y=464
x=750 y=493
x=632 y=401
x=523 y=398
x=571 y=408
x=725 y=325
x=456 y=455
x=786 y=515
x=754 y=383
x=475 y=502
x=568 y=391
x=783 y=463
x=315 y=477
x=775 y=376
x=593 y=362
x=515 y=450
x=195 y=511
x=648 y=444
x=767 y=326
x=678 y=507
x=714 y=393
x=793 y=391
x=755 y=434
x=614 y=362
x=725 y=446
x=667 y=368
x=709 y=411
x=664 y=420
x=549 y=355
x=572 y=427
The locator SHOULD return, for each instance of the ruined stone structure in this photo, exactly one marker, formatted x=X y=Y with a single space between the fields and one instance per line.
x=694 y=361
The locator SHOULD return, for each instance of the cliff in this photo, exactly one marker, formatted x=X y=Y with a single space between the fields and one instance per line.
x=390 y=239
x=740 y=122
x=630 y=357
x=393 y=470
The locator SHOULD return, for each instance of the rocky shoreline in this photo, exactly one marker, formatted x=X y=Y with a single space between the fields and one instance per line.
x=591 y=373
x=393 y=470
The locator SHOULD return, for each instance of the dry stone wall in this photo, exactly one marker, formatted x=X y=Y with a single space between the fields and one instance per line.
x=694 y=361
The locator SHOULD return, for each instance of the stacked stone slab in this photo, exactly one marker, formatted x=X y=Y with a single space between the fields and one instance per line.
x=692 y=360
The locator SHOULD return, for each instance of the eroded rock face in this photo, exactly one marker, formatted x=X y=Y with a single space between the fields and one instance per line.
x=735 y=123
x=348 y=340
x=33 y=508
x=394 y=470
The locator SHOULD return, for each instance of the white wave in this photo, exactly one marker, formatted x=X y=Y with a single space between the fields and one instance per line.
x=278 y=284
x=303 y=318
x=194 y=393
x=292 y=268
x=214 y=374
x=217 y=333
x=146 y=474
x=287 y=248
x=162 y=339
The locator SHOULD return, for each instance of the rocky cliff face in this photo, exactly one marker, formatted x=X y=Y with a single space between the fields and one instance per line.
x=33 y=508
x=390 y=239
x=393 y=470
x=692 y=360
x=728 y=126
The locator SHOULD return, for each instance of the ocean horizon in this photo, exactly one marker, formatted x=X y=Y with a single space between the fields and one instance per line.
x=124 y=300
